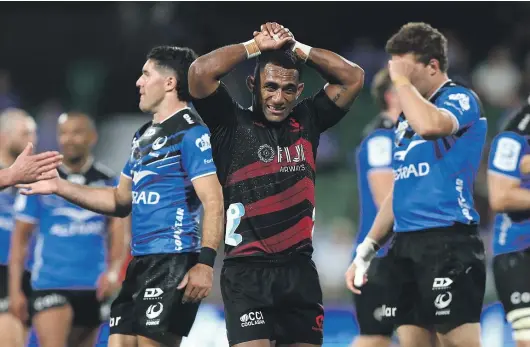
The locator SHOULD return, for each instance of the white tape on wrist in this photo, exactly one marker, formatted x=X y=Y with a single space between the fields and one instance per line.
x=366 y=251
x=301 y=51
x=252 y=49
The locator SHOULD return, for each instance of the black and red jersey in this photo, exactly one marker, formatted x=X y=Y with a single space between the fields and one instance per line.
x=267 y=171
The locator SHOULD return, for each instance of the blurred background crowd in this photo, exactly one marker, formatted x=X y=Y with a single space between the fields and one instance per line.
x=87 y=56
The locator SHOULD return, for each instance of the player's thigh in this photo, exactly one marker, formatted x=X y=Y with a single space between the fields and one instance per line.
x=52 y=318
x=12 y=331
x=465 y=335
x=451 y=275
x=376 y=306
x=512 y=281
x=248 y=303
x=147 y=342
x=415 y=336
x=120 y=340
x=159 y=312
x=83 y=336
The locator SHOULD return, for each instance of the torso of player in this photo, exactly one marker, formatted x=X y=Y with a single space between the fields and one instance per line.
x=512 y=229
x=7 y=222
x=68 y=236
x=165 y=207
x=268 y=175
x=374 y=153
x=433 y=179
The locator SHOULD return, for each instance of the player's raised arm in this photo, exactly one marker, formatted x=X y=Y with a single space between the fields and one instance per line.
x=205 y=72
x=115 y=201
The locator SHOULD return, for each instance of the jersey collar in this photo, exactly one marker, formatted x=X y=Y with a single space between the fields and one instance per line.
x=182 y=109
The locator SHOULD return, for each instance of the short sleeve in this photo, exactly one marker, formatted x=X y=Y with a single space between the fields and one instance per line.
x=379 y=152
x=324 y=112
x=27 y=208
x=462 y=104
x=217 y=108
x=197 y=153
x=127 y=169
x=505 y=155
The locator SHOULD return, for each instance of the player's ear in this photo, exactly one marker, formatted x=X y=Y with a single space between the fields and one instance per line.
x=299 y=90
x=170 y=83
x=251 y=83
x=433 y=66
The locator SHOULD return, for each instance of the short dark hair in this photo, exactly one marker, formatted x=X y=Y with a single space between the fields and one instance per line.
x=422 y=40
x=380 y=85
x=177 y=59
x=282 y=57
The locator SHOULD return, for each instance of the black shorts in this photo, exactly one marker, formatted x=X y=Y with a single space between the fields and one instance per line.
x=439 y=277
x=273 y=301
x=512 y=280
x=4 y=289
x=149 y=303
x=84 y=303
x=374 y=309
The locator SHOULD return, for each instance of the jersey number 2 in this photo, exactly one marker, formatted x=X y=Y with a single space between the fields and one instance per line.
x=233 y=218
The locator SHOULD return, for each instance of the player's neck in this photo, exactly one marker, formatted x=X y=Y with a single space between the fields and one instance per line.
x=79 y=166
x=166 y=111
x=6 y=159
x=438 y=82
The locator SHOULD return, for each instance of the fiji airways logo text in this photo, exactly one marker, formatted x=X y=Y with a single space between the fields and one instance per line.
x=284 y=155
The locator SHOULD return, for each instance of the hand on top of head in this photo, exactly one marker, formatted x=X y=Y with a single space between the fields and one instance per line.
x=273 y=36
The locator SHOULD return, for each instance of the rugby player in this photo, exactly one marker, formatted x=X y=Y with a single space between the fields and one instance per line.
x=437 y=255
x=70 y=276
x=265 y=157
x=169 y=173
x=509 y=196
x=375 y=180
x=17 y=129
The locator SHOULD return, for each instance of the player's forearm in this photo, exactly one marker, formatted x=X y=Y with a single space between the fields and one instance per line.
x=101 y=200
x=206 y=72
x=347 y=77
x=213 y=221
x=382 y=227
x=6 y=178
x=423 y=117
x=117 y=250
x=17 y=257
x=513 y=199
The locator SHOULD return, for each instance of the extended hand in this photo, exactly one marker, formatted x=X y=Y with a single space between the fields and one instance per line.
x=45 y=187
x=198 y=282
x=29 y=167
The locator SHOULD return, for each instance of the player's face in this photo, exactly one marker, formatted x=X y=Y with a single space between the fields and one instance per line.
x=280 y=87
x=421 y=76
x=22 y=132
x=76 y=137
x=151 y=86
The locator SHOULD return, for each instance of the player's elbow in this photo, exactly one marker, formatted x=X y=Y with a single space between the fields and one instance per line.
x=199 y=78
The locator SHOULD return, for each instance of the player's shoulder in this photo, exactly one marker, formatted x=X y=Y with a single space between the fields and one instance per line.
x=508 y=137
x=461 y=94
x=183 y=120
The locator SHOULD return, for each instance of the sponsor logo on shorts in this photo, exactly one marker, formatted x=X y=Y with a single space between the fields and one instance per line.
x=517 y=298
x=442 y=302
x=114 y=321
x=319 y=322
x=252 y=318
x=153 y=312
x=442 y=283
x=47 y=301
x=152 y=293
x=384 y=312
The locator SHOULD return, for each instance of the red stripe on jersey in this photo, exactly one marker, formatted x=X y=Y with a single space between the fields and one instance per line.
x=260 y=168
x=302 y=190
x=279 y=242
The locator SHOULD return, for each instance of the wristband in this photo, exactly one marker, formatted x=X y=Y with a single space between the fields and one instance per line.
x=367 y=250
x=401 y=81
x=207 y=256
x=112 y=276
x=301 y=51
x=252 y=48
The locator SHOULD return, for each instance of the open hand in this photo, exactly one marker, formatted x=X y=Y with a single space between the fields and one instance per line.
x=29 y=167
x=44 y=187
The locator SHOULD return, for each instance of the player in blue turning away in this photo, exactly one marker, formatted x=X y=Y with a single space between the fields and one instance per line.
x=17 y=129
x=437 y=255
x=170 y=173
x=509 y=196
x=73 y=270
x=375 y=180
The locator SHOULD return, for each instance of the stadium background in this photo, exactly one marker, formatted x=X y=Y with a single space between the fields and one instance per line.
x=87 y=56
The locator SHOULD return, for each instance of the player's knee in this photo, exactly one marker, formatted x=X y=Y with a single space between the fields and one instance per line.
x=372 y=341
x=463 y=335
x=520 y=321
